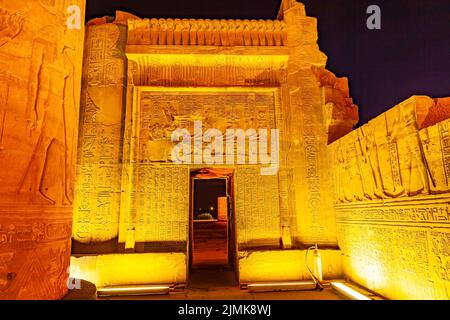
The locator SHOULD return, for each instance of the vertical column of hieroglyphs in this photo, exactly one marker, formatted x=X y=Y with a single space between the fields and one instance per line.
x=305 y=139
x=98 y=185
x=40 y=79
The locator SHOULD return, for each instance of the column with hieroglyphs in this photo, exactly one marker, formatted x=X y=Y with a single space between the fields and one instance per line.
x=98 y=184
x=41 y=51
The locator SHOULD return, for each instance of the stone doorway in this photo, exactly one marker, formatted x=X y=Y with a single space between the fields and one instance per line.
x=212 y=222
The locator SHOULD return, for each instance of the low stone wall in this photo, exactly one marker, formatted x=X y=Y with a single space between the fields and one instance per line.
x=286 y=265
x=130 y=269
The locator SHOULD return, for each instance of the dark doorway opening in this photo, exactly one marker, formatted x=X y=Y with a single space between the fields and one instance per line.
x=212 y=236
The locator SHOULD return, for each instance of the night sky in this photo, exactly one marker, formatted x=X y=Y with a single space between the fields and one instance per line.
x=410 y=55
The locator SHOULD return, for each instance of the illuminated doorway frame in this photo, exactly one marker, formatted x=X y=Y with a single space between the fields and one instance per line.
x=215 y=174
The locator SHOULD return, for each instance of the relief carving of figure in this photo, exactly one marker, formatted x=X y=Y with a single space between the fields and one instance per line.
x=413 y=166
x=371 y=167
x=51 y=109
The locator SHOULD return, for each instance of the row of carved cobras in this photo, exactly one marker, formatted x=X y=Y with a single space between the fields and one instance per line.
x=207 y=32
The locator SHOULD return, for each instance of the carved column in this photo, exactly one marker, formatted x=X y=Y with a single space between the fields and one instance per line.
x=98 y=185
x=40 y=72
x=305 y=141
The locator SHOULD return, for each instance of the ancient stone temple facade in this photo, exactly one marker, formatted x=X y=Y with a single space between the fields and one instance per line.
x=106 y=129
x=143 y=79
x=40 y=85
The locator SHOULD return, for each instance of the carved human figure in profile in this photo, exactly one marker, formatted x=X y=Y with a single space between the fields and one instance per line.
x=52 y=112
x=373 y=184
x=413 y=165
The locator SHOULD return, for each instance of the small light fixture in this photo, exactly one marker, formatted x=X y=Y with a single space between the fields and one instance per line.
x=133 y=291
x=348 y=292
x=281 y=286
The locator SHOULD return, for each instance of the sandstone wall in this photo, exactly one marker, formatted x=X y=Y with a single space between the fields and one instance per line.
x=392 y=187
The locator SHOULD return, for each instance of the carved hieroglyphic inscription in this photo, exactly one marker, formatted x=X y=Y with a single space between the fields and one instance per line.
x=208 y=69
x=306 y=153
x=257 y=208
x=40 y=80
x=394 y=261
x=436 y=142
x=163 y=205
x=98 y=184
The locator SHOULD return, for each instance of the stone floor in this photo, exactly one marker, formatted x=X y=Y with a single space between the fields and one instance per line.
x=214 y=285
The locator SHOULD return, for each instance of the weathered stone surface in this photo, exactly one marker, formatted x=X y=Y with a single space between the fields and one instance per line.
x=131 y=269
x=392 y=201
x=99 y=167
x=40 y=72
x=340 y=113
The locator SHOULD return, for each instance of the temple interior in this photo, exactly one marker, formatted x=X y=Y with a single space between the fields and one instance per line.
x=94 y=186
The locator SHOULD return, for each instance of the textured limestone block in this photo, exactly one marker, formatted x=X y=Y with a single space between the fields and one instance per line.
x=40 y=79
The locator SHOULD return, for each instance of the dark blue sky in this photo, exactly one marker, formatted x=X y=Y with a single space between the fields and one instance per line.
x=410 y=55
